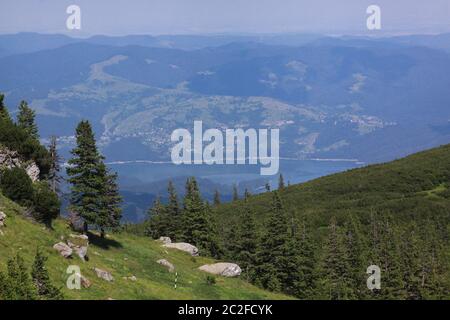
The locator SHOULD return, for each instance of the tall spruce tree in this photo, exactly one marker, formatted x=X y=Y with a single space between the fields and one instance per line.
x=304 y=287
x=111 y=212
x=247 y=243
x=26 y=119
x=198 y=226
x=158 y=222
x=54 y=175
x=281 y=184
x=270 y=269
x=45 y=289
x=334 y=272
x=4 y=113
x=173 y=213
x=94 y=191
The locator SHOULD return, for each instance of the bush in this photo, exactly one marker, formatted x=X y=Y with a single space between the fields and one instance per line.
x=17 y=185
x=210 y=280
x=46 y=203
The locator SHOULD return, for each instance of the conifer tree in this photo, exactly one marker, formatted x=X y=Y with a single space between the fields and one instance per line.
x=304 y=287
x=4 y=113
x=110 y=214
x=272 y=247
x=45 y=289
x=158 y=225
x=16 y=283
x=247 y=243
x=198 y=227
x=281 y=182
x=87 y=176
x=26 y=119
x=217 y=198
x=333 y=281
x=54 y=175
x=247 y=194
x=173 y=213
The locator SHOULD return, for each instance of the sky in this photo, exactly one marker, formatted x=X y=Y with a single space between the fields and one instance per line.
x=121 y=17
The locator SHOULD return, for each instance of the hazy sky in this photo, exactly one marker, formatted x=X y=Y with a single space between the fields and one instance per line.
x=118 y=17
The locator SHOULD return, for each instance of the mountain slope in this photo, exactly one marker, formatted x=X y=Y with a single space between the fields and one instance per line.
x=124 y=256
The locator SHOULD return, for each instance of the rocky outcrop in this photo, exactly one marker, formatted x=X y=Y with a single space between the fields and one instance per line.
x=166 y=264
x=225 y=269
x=132 y=278
x=11 y=159
x=2 y=219
x=63 y=249
x=105 y=275
x=85 y=282
x=183 y=246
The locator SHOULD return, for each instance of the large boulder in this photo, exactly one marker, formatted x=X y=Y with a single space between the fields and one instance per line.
x=183 y=246
x=105 y=275
x=63 y=249
x=2 y=219
x=166 y=264
x=225 y=269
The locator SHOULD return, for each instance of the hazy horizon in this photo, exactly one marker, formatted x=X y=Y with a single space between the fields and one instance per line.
x=232 y=17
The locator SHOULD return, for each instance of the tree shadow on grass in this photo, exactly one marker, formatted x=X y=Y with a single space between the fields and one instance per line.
x=103 y=243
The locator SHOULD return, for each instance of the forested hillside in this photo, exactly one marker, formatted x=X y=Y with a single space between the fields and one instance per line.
x=316 y=240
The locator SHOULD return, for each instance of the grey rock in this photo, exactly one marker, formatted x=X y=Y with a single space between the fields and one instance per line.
x=225 y=269
x=2 y=219
x=166 y=264
x=183 y=246
x=105 y=275
x=165 y=240
x=63 y=249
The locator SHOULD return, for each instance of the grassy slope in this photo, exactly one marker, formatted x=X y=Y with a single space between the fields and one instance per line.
x=123 y=255
x=411 y=187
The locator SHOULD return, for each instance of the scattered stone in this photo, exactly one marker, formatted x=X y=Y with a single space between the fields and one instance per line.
x=166 y=264
x=33 y=171
x=183 y=246
x=63 y=249
x=105 y=275
x=223 y=269
x=85 y=282
x=79 y=244
x=165 y=240
x=132 y=278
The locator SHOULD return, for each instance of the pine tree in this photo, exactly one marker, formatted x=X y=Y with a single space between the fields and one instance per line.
x=158 y=222
x=269 y=272
x=198 y=226
x=357 y=255
x=247 y=194
x=235 y=193
x=16 y=284
x=304 y=287
x=281 y=182
x=173 y=213
x=4 y=114
x=110 y=214
x=54 y=176
x=217 y=198
x=86 y=176
x=246 y=243
x=26 y=119
x=45 y=289
x=333 y=281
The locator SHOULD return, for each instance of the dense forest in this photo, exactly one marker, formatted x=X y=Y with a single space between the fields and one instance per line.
x=316 y=240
